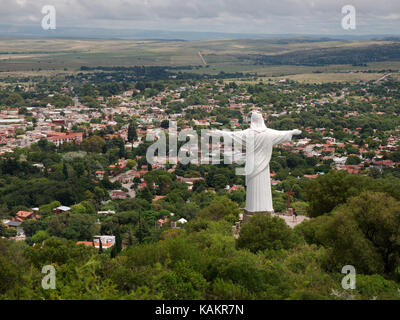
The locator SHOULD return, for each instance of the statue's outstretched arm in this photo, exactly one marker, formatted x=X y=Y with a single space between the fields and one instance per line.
x=283 y=136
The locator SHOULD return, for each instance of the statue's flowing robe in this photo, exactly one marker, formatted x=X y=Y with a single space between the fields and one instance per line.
x=259 y=144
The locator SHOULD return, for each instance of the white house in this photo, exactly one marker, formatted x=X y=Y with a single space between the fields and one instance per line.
x=182 y=221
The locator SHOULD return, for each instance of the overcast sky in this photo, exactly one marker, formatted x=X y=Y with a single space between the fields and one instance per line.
x=233 y=16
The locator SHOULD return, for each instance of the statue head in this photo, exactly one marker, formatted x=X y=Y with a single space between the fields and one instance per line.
x=257 y=121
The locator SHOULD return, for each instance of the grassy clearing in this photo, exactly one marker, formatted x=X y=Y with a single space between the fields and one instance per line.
x=316 y=78
x=334 y=77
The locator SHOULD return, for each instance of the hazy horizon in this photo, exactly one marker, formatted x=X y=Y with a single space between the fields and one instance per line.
x=34 y=31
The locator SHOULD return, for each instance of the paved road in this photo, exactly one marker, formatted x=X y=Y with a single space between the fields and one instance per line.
x=384 y=77
x=202 y=59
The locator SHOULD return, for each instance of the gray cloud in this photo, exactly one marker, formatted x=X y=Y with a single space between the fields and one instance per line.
x=254 y=16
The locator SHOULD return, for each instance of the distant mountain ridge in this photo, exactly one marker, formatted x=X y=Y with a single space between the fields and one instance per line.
x=35 y=31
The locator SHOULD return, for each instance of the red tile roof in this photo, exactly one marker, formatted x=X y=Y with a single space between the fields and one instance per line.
x=24 y=214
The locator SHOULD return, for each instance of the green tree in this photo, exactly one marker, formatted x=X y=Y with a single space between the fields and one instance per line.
x=93 y=144
x=220 y=181
x=362 y=232
x=199 y=186
x=132 y=134
x=72 y=226
x=164 y=124
x=14 y=99
x=353 y=160
x=264 y=232
x=47 y=208
x=221 y=208
x=33 y=226
x=330 y=190
x=40 y=236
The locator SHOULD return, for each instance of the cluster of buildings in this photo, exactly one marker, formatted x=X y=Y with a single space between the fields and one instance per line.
x=59 y=125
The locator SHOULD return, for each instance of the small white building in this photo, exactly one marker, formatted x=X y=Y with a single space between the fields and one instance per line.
x=61 y=209
x=182 y=221
x=107 y=212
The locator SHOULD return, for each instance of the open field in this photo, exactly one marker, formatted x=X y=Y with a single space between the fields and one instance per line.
x=28 y=54
x=25 y=55
x=318 y=78
x=276 y=71
x=36 y=57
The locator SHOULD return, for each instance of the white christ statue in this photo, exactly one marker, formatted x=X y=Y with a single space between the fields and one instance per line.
x=259 y=141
